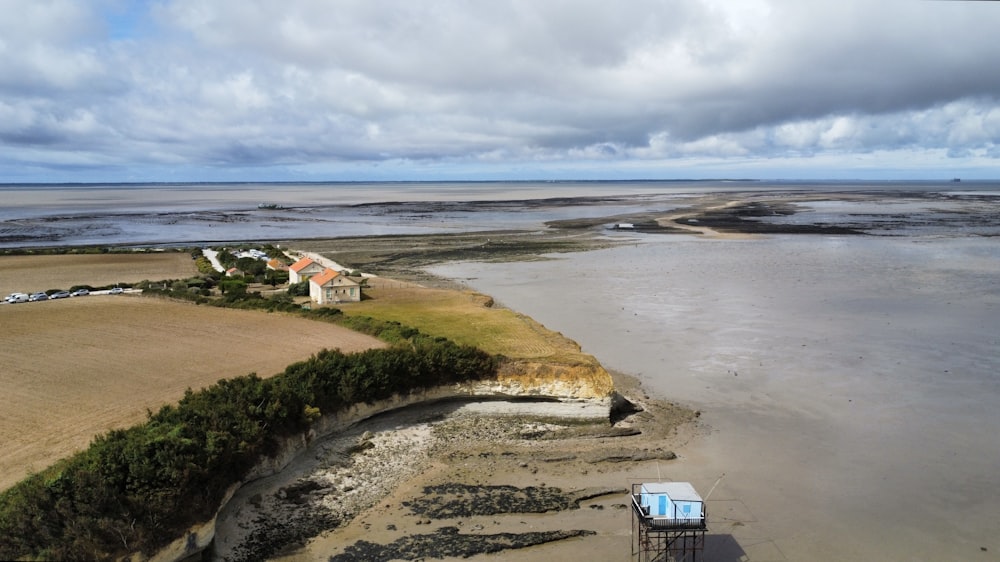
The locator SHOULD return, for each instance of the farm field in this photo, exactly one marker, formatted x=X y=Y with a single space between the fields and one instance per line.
x=28 y=274
x=73 y=368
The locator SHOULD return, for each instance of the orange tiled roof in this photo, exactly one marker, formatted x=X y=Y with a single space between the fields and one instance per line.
x=300 y=265
x=325 y=277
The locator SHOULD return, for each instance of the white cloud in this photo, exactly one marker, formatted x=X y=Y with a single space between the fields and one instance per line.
x=241 y=83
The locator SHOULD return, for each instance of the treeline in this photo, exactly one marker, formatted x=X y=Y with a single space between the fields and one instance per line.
x=137 y=489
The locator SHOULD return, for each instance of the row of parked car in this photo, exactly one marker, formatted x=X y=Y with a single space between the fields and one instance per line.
x=40 y=296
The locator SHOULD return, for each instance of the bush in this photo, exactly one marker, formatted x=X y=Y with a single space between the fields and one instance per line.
x=135 y=490
x=300 y=289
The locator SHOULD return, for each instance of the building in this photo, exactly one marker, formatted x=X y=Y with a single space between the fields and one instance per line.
x=669 y=521
x=303 y=269
x=332 y=287
x=676 y=501
x=277 y=265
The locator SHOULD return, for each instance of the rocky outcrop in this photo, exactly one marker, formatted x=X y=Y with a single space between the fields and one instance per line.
x=579 y=391
x=583 y=379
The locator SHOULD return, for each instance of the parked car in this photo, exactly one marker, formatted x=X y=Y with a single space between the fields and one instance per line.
x=17 y=297
x=59 y=295
x=80 y=293
x=117 y=291
x=38 y=297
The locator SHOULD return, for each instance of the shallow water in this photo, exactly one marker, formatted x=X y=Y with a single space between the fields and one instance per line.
x=151 y=214
x=850 y=382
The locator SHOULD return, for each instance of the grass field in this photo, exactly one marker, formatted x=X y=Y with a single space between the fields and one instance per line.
x=76 y=367
x=28 y=274
x=468 y=318
x=537 y=357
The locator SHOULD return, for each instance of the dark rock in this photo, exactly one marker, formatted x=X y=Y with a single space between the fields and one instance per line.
x=448 y=542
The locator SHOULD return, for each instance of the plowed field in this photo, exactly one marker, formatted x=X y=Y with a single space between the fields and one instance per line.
x=76 y=367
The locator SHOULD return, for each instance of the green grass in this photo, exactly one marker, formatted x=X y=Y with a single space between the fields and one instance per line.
x=469 y=318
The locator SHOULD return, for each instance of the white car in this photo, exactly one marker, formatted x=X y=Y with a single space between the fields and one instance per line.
x=116 y=291
x=80 y=293
x=17 y=297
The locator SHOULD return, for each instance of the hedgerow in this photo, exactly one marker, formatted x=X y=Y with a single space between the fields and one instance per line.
x=137 y=489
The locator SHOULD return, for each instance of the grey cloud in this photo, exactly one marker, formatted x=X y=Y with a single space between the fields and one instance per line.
x=243 y=83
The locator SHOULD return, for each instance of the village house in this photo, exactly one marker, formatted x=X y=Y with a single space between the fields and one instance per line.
x=332 y=287
x=277 y=265
x=303 y=269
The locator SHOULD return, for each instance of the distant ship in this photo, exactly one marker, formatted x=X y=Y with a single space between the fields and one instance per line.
x=956 y=180
x=268 y=206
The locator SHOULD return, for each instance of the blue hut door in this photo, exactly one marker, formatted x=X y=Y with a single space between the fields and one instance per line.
x=663 y=505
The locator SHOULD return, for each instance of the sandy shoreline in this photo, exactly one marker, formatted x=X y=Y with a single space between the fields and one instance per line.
x=368 y=478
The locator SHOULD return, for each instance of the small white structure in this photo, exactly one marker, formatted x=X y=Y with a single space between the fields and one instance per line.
x=252 y=253
x=303 y=269
x=676 y=501
x=330 y=287
x=668 y=522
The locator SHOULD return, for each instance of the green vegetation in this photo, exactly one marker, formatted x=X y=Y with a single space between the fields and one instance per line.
x=135 y=490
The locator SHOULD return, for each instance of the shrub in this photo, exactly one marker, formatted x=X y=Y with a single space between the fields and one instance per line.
x=300 y=289
x=135 y=490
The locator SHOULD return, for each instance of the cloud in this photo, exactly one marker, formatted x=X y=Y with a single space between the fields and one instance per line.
x=307 y=84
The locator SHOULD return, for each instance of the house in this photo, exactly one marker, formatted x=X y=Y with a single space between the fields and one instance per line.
x=331 y=287
x=675 y=502
x=277 y=265
x=234 y=272
x=303 y=269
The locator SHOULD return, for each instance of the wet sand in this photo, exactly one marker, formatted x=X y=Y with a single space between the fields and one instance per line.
x=849 y=381
x=493 y=471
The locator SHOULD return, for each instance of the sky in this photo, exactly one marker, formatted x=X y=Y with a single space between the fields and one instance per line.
x=359 y=90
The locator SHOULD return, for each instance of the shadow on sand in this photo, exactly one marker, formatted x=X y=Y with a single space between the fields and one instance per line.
x=723 y=548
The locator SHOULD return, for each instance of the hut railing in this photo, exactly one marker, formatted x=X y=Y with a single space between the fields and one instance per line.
x=664 y=522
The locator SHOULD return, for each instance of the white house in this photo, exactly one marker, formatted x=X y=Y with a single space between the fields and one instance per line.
x=675 y=501
x=331 y=287
x=303 y=270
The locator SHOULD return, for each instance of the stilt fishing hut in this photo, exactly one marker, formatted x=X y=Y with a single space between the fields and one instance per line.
x=668 y=522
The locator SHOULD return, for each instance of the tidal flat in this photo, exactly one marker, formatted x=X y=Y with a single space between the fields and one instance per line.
x=849 y=378
x=839 y=344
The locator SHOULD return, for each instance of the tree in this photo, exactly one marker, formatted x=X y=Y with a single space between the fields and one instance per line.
x=251 y=266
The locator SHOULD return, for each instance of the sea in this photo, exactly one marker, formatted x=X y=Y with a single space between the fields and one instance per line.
x=47 y=215
x=848 y=386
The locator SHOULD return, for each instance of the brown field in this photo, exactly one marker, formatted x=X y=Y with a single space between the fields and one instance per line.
x=28 y=274
x=73 y=368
